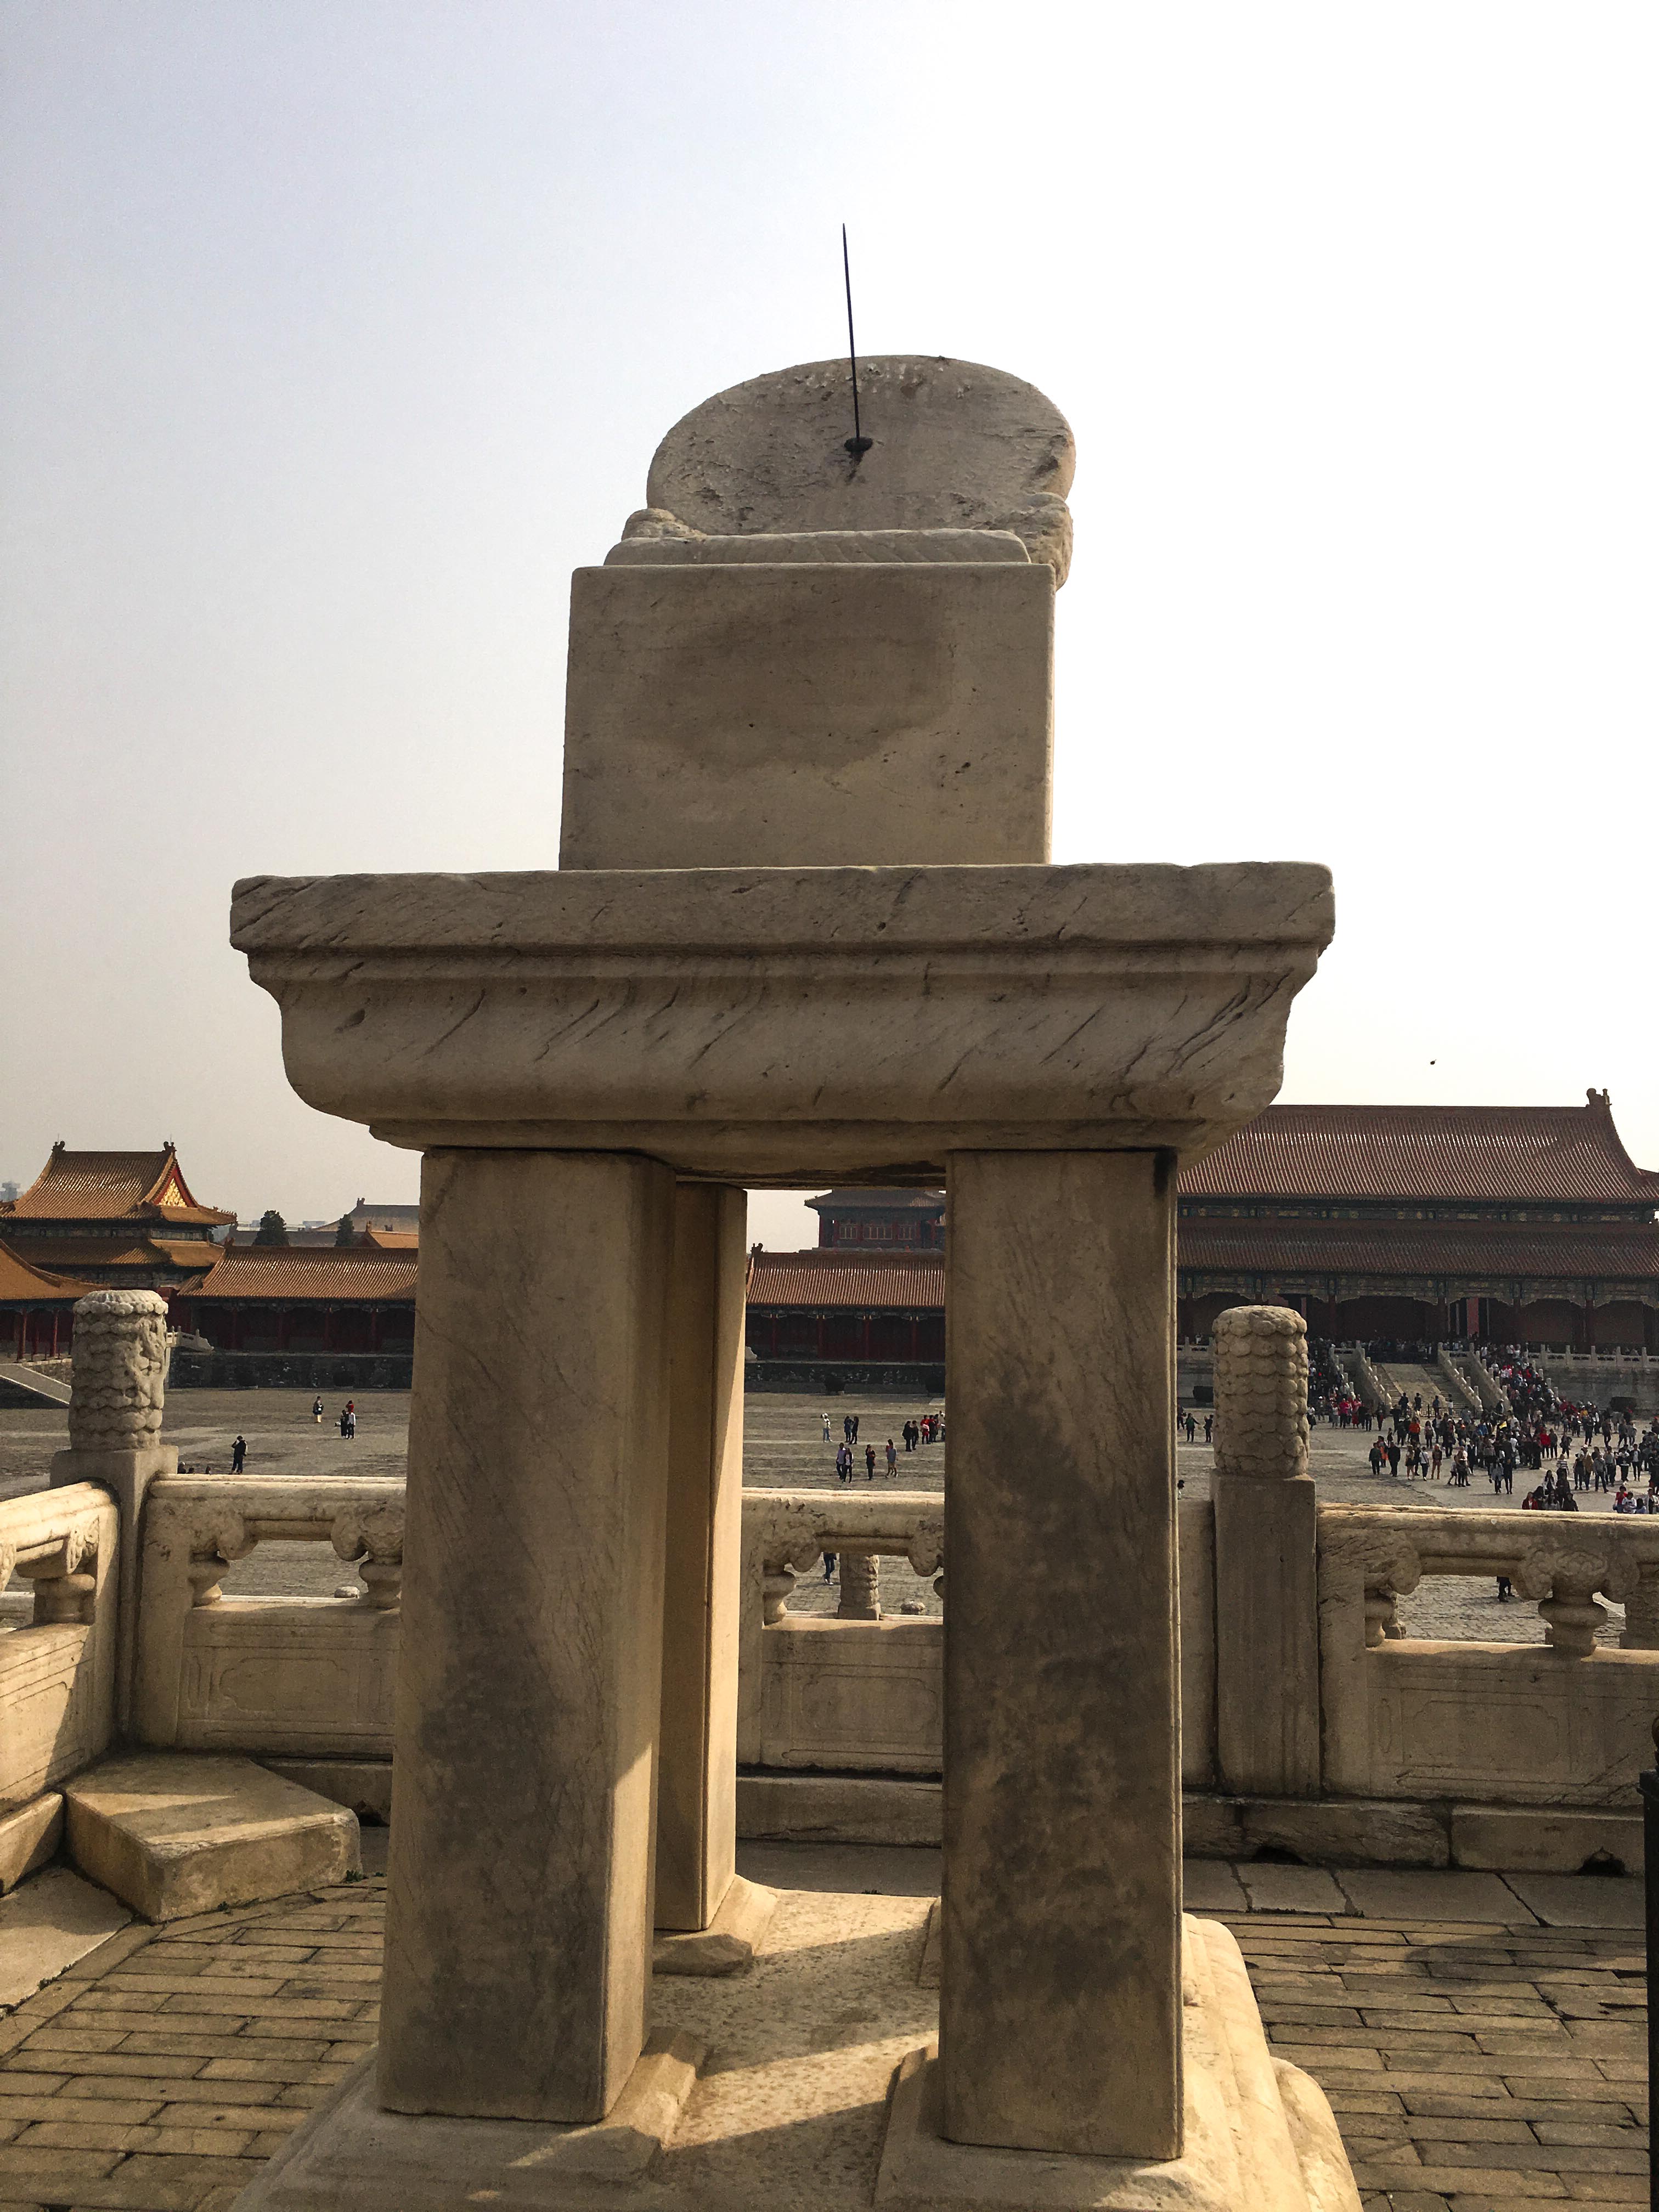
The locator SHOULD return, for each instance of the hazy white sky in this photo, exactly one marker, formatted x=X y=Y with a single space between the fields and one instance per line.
x=338 y=333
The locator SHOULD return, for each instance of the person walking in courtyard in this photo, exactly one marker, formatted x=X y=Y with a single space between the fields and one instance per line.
x=828 y=1558
x=844 y=1463
x=826 y=1428
x=238 y=1453
x=869 y=1462
x=317 y=1410
x=892 y=1457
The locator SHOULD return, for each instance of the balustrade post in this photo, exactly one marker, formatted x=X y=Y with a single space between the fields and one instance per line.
x=861 y=1586
x=1266 y=1536
x=118 y=1388
x=1641 y=1632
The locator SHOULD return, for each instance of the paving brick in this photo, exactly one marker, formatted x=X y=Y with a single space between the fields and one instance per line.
x=151 y=2181
x=1498 y=2127
x=170 y=1985
x=1607 y=2189
x=1558 y=2157
x=120 y=2109
x=251 y=2119
x=1445 y=2181
x=241 y=2003
x=177 y=2090
x=55 y=2174
x=114 y=2066
x=1588 y=2131
x=201 y=2044
x=58 y=2036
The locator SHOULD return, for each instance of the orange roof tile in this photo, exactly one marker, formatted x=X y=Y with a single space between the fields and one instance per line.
x=826 y=1276
x=1529 y=1154
x=309 y=1272
x=114 y=1187
x=22 y=1286
x=888 y=1201
x=1621 y=1251
x=392 y=1239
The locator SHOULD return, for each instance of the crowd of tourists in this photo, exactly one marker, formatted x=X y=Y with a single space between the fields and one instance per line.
x=1575 y=1448
x=920 y=1429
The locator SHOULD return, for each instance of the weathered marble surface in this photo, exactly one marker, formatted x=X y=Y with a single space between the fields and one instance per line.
x=775 y=1024
x=789 y=714
x=529 y=1687
x=1260 y=2134
x=1061 y=2004
x=953 y=443
x=832 y=546
x=697 y=1745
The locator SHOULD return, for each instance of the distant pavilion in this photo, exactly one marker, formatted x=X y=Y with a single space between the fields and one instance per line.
x=287 y=1298
x=114 y=1221
x=37 y=1310
x=1523 y=1224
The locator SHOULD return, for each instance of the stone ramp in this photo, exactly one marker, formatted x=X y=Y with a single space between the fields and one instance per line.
x=1399 y=1375
x=26 y=1386
x=177 y=1833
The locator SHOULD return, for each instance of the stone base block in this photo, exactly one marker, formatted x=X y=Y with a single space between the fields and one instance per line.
x=1536 y=1840
x=177 y=1832
x=728 y=1944
x=28 y=1837
x=838 y=1809
x=363 y=1785
x=352 y=2155
x=1338 y=1834
x=1328 y=1831
x=1259 y=2134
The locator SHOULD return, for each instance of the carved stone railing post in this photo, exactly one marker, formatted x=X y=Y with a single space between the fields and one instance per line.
x=861 y=1586
x=371 y=1539
x=117 y=1398
x=777 y=1589
x=1268 y=1733
x=1563 y=1575
x=65 y=1583
x=1642 y=1613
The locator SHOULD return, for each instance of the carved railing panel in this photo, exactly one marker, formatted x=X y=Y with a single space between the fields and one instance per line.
x=292 y=1674
x=1564 y=1721
x=58 y=1670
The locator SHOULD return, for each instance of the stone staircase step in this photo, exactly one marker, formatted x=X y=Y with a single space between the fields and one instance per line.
x=179 y=1833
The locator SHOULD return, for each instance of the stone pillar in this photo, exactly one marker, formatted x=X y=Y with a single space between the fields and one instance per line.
x=861 y=1586
x=697 y=1777
x=1060 y=1995
x=529 y=1685
x=118 y=1390
x=1267 y=1535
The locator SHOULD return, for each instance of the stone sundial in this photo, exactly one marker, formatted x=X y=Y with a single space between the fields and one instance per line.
x=954 y=446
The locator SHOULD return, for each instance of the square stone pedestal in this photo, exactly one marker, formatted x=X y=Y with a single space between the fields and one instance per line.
x=1259 y=2134
x=792 y=2106
x=352 y=2154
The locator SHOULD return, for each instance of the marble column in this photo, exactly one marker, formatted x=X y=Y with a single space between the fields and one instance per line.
x=1060 y=1995
x=519 y=1921
x=697 y=1771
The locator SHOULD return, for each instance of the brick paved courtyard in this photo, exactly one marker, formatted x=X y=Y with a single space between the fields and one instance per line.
x=1473 y=2067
